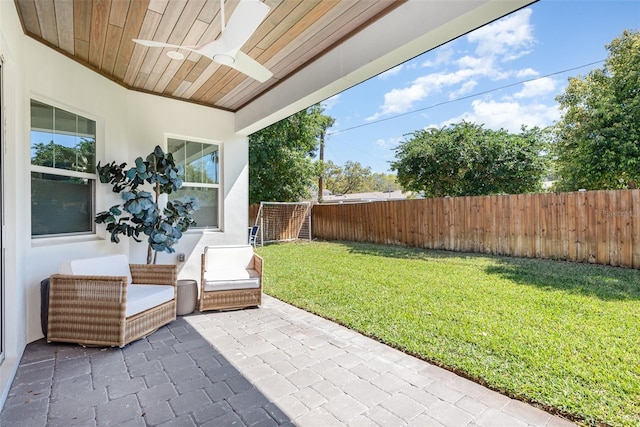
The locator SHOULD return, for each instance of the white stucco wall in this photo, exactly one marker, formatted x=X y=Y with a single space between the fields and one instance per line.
x=15 y=295
x=149 y=119
x=129 y=124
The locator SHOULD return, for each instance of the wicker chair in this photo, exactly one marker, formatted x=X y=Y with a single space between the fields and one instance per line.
x=92 y=309
x=231 y=278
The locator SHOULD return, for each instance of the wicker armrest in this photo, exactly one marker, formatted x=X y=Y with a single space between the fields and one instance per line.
x=154 y=274
x=87 y=309
x=102 y=289
x=257 y=265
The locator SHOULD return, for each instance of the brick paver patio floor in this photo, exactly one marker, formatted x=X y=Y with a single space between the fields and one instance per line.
x=276 y=365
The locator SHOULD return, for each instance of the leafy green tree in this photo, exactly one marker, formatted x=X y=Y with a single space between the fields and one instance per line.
x=355 y=178
x=598 y=136
x=79 y=158
x=281 y=166
x=466 y=159
x=384 y=182
x=352 y=178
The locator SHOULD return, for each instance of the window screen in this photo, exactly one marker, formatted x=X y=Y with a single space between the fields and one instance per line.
x=201 y=163
x=62 y=171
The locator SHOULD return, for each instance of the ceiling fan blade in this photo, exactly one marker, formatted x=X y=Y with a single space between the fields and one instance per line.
x=242 y=24
x=252 y=68
x=153 y=43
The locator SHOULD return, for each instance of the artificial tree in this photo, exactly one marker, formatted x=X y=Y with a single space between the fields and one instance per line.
x=140 y=213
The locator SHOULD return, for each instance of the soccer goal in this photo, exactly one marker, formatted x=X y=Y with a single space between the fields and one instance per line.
x=281 y=222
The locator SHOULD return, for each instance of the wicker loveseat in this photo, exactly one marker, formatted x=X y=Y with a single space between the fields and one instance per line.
x=107 y=302
x=231 y=278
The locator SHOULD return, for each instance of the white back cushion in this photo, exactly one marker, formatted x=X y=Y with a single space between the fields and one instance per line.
x=110 y=265
x=228 y=257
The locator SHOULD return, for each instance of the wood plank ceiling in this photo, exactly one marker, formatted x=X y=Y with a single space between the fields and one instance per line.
x=99 y=33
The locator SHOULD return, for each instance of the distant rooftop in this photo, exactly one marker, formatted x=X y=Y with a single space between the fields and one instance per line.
x=375 y=196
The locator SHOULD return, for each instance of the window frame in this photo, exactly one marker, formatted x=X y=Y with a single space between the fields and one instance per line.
x=92 y=178
x=186 y=184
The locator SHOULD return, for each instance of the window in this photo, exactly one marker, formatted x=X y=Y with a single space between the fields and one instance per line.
x=62 y=171
x=201 y=163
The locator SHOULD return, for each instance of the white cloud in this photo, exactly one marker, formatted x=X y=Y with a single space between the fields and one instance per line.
x=509 y=38
x=465 y=89
x=508 y=115
x=443 y=57
x=381 y=143
x=542 y=86
x=495 y=43
x=329 y=103
x=400 y=100
x=391 y=72
x=527 y=72
x=388 y=146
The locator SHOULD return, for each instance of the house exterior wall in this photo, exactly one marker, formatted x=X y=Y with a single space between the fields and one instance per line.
x=128 y=125
x=131 y=124
x=11 y=54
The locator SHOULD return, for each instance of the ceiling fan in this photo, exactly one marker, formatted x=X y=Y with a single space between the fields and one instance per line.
x=226 y=49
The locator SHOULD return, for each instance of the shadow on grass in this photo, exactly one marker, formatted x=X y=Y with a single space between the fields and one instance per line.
x=603 y=282
x=403 y=252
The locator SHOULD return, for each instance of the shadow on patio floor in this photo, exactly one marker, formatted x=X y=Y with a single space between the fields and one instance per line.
x=276 y=365
x=174 y=375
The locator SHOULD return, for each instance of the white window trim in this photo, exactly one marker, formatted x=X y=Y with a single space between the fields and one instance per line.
x=42 y=240
x=219 y=185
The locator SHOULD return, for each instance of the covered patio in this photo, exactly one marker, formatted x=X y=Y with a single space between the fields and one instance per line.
x=78 y=59
x=276 y=365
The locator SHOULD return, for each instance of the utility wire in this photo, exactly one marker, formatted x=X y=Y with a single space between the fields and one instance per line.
x=473 y=95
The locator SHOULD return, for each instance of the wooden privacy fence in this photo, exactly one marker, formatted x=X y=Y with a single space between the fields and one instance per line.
x=600 y=227
x=253 y=214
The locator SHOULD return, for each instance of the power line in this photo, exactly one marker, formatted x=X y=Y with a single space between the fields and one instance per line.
x=463 y=98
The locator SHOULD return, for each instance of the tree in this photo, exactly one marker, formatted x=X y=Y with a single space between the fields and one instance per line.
x=79 y=158
x=281 y=167
x=384 y=182
x=352 y=178
x=355 y=178
x=598 y=136
x=466 y=159
x=140 y=213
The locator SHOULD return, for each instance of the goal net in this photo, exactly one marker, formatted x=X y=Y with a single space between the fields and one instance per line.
x=279 y=221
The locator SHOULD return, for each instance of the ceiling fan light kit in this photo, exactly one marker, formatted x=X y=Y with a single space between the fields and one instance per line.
x=174 y=54
x=224 y=59
x=226 y=49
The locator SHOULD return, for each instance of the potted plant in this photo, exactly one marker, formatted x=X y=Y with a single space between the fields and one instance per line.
x=139 y=213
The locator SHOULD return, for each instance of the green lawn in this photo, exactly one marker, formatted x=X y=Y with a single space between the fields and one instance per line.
x=563 y=335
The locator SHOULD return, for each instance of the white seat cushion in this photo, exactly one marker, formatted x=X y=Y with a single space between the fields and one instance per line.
x=110 y=265
x=143 y=297
x=226 y=280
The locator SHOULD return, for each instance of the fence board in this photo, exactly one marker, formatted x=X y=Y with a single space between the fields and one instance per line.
x=504 y=217
x=602 y=228
x=614 y=219
x=625 y=230
x=571 y=227
x=594 y=226
x=635 y=228
x=564 y=234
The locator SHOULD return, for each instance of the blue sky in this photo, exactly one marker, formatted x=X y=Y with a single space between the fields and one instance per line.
x=543 y=39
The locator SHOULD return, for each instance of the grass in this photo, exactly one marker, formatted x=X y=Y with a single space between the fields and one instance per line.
x=565 y=336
